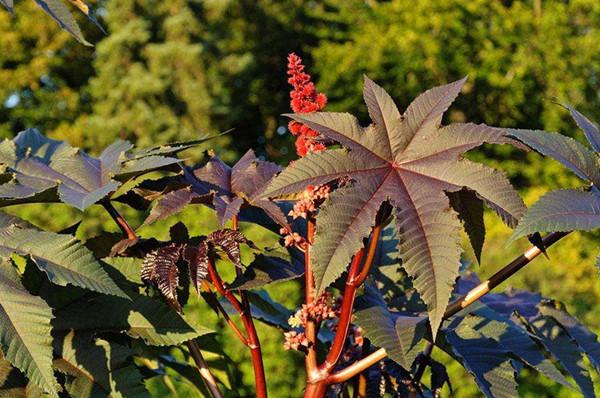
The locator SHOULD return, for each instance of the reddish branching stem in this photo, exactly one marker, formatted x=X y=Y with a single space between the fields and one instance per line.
x=252 y=337
x=319 y=379
x=119 y=220
x=196 y=354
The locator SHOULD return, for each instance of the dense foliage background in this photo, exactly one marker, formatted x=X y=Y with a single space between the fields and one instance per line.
x=173 y=69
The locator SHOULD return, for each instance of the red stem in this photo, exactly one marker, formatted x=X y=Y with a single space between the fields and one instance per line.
x=121 y=222
x=201 y=364
x=345 y=313
x=253 y=341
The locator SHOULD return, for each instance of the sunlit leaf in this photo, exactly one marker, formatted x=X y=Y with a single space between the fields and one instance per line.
x=412 y=162
x=25 y=328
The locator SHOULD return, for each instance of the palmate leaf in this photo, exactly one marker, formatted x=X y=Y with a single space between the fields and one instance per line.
x=565 y=210
x=25 y=328
x=558 y=342
x=230 y=188
x=38 y=169
x=399 y=334
x=141 y=317
x=573 y=155
x=509 y=318
x=412 y=162
x=96 y=367
x=64 y=259
x=562 y=210
x=484 y=358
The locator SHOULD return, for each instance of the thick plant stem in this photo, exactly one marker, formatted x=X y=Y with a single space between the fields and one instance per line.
x=310 y=361
x=119 y=220
x=318 y=380
x=252 y=337
x=461 y=303
x=203 y=369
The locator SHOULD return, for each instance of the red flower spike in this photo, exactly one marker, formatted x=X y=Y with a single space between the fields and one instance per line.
x=304 y=99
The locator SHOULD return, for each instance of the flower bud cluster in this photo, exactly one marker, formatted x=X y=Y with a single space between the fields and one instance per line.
x=311 y=199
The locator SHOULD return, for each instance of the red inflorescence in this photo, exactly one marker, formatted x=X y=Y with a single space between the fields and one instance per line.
x=304 y=99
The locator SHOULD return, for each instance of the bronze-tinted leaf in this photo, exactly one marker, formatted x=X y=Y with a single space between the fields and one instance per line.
x=197 y=260
x=229 y=241
x=160 y=268
x=412 y=162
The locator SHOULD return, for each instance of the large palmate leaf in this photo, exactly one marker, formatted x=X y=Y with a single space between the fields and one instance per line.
x=532 y=329
x=484 y=358
x=25 y=328
x=37 y=169
x=399 y=334
x=230 y=188
x=63 y=258
x=140 y=317
x=412 y=162
x=96 y=367
x=565 y=210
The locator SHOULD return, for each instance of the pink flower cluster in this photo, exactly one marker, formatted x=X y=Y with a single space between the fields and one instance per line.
x=304 y=99
x=322 y=309
x=319 y=310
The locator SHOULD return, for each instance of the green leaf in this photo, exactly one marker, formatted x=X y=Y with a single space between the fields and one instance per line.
x=128 y=267
x=566 y=150
x=140 y=317
x=411 y=162
x=25 y=330
x=96 y=367
x=63 y=258
x=484 y=358
x=399 y=334
x=562 y=210
x=61 y=14
x=516 y=340
x=38 y=169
